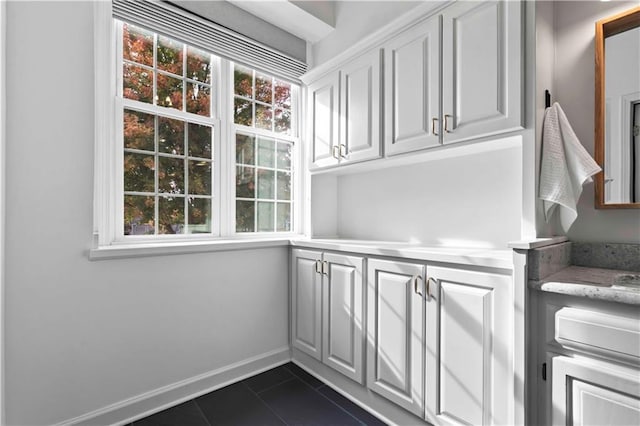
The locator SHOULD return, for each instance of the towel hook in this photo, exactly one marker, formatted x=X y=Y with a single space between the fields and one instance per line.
x=547 y=99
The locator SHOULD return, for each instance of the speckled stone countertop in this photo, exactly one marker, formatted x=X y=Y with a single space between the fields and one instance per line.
x=592 y=283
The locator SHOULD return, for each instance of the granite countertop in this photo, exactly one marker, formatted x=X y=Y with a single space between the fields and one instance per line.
x=592 y=283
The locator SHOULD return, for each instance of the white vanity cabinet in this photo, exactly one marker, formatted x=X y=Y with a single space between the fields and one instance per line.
x=396 y=332
x=589 y=365
x=327 y=309
x=590 y=392
x=344 y=109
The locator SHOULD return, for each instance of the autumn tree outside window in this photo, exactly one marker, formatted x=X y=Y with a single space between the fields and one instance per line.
x=174 y=125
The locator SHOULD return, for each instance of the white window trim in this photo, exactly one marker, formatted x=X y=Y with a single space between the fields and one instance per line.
x=107 y=240
x=3 y=123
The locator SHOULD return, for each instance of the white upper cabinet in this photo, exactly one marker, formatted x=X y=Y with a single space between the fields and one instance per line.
x=323 y=119
x=481 y=69
x=345 y=113
x=412 y=88
x=450 y=77
x=360 y=109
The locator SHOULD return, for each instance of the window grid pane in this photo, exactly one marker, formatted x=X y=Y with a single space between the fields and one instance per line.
x=161 y=71
x=261 y=101
x=167 y=190
x=263 y=184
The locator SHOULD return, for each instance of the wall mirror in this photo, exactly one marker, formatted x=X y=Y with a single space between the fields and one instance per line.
x=617 y=110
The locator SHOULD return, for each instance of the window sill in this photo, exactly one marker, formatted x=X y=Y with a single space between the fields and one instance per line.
x=124 y=251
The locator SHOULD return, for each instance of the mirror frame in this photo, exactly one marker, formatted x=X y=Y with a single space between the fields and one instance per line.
x=605 y=28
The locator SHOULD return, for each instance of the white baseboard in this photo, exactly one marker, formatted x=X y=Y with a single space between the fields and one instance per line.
x=148 y=403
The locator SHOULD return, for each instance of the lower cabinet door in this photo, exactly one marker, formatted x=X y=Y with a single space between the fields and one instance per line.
x=395 y=332
x=469 y=377
x=587 y=392
x=342 y=323
x=306 y=306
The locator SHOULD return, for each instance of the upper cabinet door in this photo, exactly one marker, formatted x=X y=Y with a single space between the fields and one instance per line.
x=342 y=319
x=323 y=118
x=482 y=69
x=306 y=295
x=469 y=358
x=412 y=88
x=360 y=108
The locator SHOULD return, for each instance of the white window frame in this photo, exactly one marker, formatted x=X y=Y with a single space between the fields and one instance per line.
x=213 y=120
x=108 y=230
x=296 y=160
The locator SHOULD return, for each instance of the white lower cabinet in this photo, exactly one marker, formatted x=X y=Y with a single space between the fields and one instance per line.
x=439 y=340
x=396 y=332
x=589 y=392
x=327 y=309
x=306 y=302
x=469 y=375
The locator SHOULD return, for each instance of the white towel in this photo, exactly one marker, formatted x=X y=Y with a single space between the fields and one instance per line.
x=566 y=166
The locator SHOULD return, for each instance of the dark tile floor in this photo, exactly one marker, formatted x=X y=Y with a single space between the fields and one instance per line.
x=285 y=395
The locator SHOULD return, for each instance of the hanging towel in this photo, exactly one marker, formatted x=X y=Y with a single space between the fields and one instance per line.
x=565 y=167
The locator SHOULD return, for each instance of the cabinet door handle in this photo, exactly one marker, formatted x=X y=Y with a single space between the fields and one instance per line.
x=325 y=268
x=319 y=266
x=335 y=152
x=446 y=123
x=429 y=287
x=416 y=281
x=434 y=120
x=343 y=150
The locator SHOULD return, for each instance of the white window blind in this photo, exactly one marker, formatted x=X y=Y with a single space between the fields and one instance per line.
x=169 y=20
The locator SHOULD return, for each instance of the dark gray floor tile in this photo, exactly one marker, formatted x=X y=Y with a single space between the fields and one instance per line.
x=363 y=415
x=187 y=414
x=268 y=379
x=299 y=404
x=304 y=376
x=236 y=405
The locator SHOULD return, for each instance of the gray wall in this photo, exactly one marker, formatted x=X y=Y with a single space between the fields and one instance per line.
x=81 y=335
x=466 y=201
x=355 y=20
x=574 y=90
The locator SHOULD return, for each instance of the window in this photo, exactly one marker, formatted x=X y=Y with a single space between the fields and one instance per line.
x=167 y=135
x=194 y=161
x=263 y=118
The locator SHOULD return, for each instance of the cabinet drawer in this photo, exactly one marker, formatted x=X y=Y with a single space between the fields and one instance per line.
x=610 y=336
